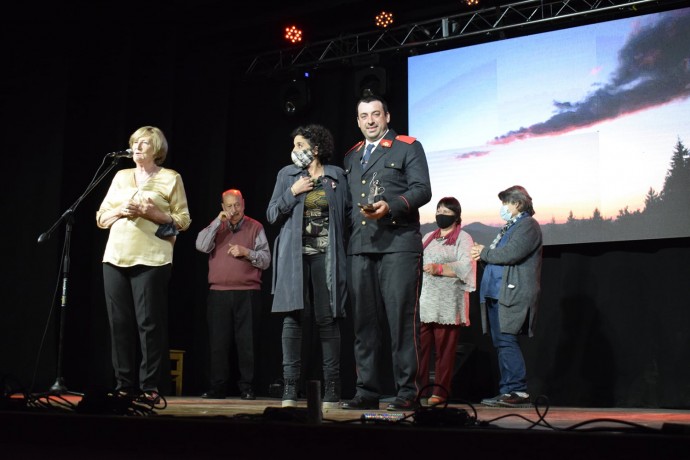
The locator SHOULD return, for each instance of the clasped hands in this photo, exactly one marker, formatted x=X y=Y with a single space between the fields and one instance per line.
x=476 y=251
x=133 y=209
x=433 y=269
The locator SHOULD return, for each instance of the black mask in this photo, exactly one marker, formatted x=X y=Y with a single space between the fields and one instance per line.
x=444 y=221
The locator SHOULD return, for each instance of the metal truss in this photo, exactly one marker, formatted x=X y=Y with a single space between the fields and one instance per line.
x=449 y=31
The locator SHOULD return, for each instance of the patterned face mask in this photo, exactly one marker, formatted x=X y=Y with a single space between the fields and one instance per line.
x=302 y=158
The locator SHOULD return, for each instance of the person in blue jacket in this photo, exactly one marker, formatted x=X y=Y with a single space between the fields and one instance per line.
x=509 y=292
x=311 y=204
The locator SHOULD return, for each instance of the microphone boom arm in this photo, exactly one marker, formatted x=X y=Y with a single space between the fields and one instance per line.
x=45 y=236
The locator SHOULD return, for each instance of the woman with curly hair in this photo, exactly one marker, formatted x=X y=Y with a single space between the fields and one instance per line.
x=311 y=203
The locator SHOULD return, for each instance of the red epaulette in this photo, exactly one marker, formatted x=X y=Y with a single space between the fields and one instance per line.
x=405 y=139
x=354 y=147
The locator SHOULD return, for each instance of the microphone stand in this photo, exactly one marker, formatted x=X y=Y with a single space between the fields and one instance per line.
x=59 y=387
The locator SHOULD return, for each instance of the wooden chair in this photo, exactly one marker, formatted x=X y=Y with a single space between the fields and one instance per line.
x=176 y=367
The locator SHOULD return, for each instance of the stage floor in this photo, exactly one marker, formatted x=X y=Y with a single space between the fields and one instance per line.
x=539 y=417
x=196 y=428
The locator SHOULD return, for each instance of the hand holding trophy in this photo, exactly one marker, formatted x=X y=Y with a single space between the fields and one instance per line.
x=375 y=190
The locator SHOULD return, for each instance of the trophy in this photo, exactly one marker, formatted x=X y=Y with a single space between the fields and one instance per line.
x=375 y=189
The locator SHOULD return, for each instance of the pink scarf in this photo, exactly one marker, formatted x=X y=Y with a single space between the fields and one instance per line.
x=451 y=238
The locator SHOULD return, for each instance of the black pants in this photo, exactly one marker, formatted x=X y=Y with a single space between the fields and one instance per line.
x=230 y=317
x=137 y=302
x=385 y=288
x=317 y=311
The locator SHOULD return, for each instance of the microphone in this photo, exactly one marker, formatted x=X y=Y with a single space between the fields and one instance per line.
x=129 y=153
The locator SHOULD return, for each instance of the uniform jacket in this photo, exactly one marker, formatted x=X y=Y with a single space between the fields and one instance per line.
x=521 y=283
x=399 y=164
x=287 y=210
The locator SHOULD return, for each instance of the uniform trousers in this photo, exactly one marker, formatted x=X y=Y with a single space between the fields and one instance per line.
x=384 y=290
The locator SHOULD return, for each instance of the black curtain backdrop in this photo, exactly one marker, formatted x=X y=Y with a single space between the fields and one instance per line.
x=613 y=327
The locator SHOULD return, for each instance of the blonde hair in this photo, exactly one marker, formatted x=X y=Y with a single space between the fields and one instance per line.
x=160 y=143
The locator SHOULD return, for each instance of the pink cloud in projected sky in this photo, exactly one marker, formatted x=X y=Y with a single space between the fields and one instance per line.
x=475 y=154
x=652 y=71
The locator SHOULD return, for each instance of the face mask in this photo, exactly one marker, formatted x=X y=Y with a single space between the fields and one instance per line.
x=505 y=213
x=302 y=158
x=444 y=221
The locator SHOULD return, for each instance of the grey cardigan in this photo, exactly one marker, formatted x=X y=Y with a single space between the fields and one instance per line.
x=521 y=284
x=286 y=210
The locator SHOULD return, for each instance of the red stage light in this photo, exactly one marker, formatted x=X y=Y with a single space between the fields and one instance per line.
x=293 y=34
x=384 y=19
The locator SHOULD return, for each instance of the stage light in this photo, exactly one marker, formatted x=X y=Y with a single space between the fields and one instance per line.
x=371 y=80
x=472 y=2
x=384 y=19
x=294 y=97
x=293 y=34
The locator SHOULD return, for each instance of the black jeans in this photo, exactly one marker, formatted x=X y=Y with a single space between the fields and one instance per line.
x=317 y=311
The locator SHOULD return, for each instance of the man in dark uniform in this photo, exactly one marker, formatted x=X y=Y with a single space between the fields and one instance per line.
x=389 y=177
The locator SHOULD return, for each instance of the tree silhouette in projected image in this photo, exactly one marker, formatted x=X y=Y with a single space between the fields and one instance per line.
x=665 y=214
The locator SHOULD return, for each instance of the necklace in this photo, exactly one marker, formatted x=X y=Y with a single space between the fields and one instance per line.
x=442 y=237
x=318 y=172
x=139 y=179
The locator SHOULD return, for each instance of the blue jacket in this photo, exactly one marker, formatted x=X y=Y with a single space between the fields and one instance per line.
x=287 y=210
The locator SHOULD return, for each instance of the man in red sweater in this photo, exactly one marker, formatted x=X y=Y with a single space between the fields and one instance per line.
x=238 y=253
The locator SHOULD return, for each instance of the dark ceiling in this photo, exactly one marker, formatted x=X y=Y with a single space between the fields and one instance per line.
x=256 y=25
x=242 y=29
x=326 y=19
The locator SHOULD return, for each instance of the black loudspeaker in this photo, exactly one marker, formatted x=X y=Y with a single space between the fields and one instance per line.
x=373 y=80
x=462 y=355
x=294 y=97
x=463 y=372
x=275 y=389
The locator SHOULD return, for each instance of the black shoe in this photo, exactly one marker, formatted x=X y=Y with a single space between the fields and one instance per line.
x=128 y=393
x=361 y=403
x=290 y=393
x=331 y=394
x=248 y=395
x=493 y=402
x=153 y=399
x=515 y=400
x=401 y=404
x=213 y=394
